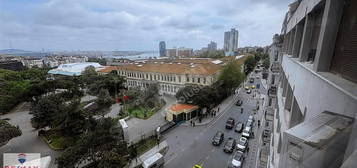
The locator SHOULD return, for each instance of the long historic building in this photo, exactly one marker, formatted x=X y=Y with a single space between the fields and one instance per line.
x=170 y=75
x=313 y=86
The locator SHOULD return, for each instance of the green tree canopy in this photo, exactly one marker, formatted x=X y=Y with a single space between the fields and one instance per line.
x=101 y=147
x=7 y=132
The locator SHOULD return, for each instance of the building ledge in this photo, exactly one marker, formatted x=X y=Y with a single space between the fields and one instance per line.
x=345 y=86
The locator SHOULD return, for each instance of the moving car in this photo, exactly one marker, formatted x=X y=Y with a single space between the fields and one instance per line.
x=230 y=123
x=242 y=144
x=246 y=131
x=229 y=145
x=237 y=161
x=218 y=138
x=196 y=166
x=239 y=127
x=251 y=80
x=239 y=103
x=249 y=91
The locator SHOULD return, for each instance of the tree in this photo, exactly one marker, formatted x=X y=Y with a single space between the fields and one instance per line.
x=249 y=64
x=104 y=101
x=89 y=75
x=101 y=147
x=7 y=132
x=187 y=93
x=71 y=121
x=266 y=63
x=45 y=109
x=231 y=76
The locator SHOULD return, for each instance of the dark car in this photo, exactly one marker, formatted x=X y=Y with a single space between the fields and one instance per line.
x=230 y=123
x=239 y=103
x=218 y=138
x=239 y=127
x=229 y=145
x=251 y=80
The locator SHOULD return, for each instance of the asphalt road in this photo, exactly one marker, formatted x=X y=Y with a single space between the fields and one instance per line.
x=28 y=142
x=192 y=145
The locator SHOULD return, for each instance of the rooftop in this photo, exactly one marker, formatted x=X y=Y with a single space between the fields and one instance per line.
x=74 y=69
x=174 y=68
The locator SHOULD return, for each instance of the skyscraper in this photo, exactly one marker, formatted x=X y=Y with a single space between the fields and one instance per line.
x=231 y=40
x=212 y=46
x=162 y=48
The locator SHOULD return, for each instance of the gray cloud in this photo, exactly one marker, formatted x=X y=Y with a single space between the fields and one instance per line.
x=137 y=24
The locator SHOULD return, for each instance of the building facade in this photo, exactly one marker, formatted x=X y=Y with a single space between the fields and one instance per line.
x=313 y=86
x=170 y=76
x=231 y=40
x=212 y=46
x=162 y=48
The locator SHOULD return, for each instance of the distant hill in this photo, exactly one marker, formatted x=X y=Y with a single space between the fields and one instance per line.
x=12 y=51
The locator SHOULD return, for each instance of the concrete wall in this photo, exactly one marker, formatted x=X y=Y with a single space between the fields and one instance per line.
x=316 y=93
x=304 y=8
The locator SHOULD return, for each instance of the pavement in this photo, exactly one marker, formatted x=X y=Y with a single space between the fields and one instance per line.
x=28 y=142
x=139 y=128
x=192 y=145
x=135 y=162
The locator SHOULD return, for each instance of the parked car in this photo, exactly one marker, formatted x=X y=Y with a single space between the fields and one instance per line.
x=251 y=118
x=253 y=87
x=218 y=138
x=229 y=145
x=237 y=161
x=246 y=88
x=239 y=103
x=249 y=91
x=239 y=127
x=246 y=131
x=230 y=123
x=251 y=80
x=249 y=123
x=242 y=144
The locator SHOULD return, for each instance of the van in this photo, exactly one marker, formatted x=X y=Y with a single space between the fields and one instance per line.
x=246 y=132
x=155 y=161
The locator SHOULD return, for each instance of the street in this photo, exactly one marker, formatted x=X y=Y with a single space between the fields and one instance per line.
x=193 y=145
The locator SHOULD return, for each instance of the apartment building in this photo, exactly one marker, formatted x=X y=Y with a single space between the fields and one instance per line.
x=170 y=76
x=313 y=86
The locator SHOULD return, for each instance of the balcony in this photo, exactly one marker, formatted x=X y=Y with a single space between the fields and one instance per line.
x=272 y=91
x=275 y=67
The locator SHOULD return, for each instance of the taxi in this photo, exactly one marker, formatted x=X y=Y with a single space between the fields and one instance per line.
x=253 y=86
x=196 y=166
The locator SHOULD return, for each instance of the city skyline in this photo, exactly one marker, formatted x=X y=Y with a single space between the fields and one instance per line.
x=138 y=25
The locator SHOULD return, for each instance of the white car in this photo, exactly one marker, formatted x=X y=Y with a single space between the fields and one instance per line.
x=246 y=132
x=251 y=118
x=242 y=144
x=237 y=161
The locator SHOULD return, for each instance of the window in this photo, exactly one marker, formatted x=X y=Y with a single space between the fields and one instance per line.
x=179 y=78
x=204 y=80
x=187 y=79
x=199 y=80
x=193 y=80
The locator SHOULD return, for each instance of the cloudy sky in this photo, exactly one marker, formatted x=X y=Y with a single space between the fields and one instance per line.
x=135 y=24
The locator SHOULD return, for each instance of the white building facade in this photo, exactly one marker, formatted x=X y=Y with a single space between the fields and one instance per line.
x=313 y=94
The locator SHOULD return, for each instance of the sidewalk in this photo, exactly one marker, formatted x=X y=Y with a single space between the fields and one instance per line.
x=225 y=104
x=139 y=160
